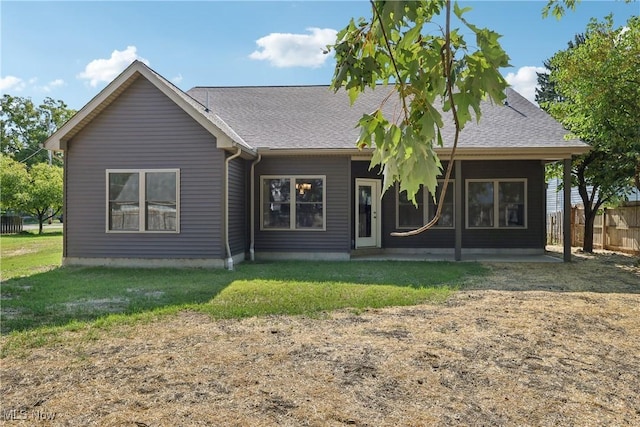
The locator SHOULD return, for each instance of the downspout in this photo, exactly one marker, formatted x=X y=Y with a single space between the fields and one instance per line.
x=226 y=208
x=252 y=252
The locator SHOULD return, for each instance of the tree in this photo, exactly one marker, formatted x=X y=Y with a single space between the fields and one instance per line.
x=428 y=65
x=597 y=89
x=13 y=181
x=36 y=191
x=430 y=68
x=546 y=91
x=43 y=196
x=25 y=126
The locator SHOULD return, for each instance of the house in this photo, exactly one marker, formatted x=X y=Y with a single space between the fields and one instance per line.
x=216 y=175
x=555 y=197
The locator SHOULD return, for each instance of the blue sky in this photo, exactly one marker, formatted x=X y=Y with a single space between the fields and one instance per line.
x=71 y=50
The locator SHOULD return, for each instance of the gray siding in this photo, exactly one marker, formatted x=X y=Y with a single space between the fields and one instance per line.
x=144 y=129
x=238 y=197
x=433 y=238
x=336 y=237
x=533 y=235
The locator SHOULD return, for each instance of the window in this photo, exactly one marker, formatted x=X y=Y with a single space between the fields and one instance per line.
x=143 y=200
x=293 y=203
x=412 y=216
x=496 y=203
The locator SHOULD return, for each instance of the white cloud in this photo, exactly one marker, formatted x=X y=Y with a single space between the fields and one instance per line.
x=105 y=70
x=177 y=79
x=295 y=50
x=11 y=83
x=525 y=81
x=52 y=85
x=16 y=84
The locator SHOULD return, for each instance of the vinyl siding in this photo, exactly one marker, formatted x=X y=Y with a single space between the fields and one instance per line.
x=143 y=129
x=336 y=236
x=531 y=237
x=238 y=206
x=433 y=238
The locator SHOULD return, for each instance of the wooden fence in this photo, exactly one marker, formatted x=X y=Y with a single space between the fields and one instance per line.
x=614 y=229
x=10 y=224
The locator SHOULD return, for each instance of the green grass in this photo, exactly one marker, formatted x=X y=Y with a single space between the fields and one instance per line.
x=41 y=299
x=28 y=253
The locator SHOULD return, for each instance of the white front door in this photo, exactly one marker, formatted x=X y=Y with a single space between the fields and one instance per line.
x=368 y=218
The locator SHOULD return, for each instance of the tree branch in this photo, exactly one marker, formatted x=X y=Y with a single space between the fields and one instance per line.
x=448 y=63
x=393 y=61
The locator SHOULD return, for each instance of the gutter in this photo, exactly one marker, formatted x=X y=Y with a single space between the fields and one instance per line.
x=229 y=261
x=252 y=253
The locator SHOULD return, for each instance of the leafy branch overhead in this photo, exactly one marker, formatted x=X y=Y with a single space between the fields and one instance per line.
x=432 y=70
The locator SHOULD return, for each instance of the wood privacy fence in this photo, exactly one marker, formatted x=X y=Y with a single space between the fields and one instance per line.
x=614 y=229
x=10 y=224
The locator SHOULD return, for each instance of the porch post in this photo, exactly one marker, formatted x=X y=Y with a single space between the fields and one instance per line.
x=566 y=225
x=457 y=203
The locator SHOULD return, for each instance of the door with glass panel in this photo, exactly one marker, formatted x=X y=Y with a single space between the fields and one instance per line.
x=367 y=211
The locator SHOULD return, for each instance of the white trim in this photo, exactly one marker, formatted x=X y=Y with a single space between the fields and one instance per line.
x=292 y=202
x=496 y=203
x=141 y=201
x=226 y=137
x=376 y=213
x=547 y=153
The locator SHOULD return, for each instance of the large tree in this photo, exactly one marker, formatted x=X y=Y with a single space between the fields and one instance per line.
x=44 y=192
x=34 y=190
x=25 y=126
x=13 y=182
x=430 y=67
x=596 y=95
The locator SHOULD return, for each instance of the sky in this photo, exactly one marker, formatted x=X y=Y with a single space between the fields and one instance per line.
x=71 y=50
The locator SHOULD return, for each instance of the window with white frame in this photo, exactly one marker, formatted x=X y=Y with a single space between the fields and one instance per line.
x=143 y=200
x=496 y=203
x=414 y=216
x=293 y=203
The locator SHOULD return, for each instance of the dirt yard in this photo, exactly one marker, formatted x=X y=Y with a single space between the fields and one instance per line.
x=531 y=344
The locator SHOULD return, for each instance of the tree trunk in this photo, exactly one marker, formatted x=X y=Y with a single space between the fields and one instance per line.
x=589 y=219
x=41 y=220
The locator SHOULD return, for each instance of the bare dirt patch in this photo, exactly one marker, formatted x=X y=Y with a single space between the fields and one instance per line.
x=527 y=345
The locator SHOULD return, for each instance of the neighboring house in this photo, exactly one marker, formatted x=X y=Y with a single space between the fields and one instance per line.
x=555 y=197
x=156 y=176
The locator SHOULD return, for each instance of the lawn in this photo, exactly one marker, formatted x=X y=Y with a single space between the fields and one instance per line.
x=28 y=253
x=37 y=292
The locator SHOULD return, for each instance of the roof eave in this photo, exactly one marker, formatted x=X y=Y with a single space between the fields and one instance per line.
x=475 y=153
x=57 y=141
x=514 y=153
x=227 y=140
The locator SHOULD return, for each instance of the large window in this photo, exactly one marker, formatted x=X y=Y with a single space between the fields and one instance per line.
x=293 y=203
x=143 y=200
x=410 y=216
x=496 y=203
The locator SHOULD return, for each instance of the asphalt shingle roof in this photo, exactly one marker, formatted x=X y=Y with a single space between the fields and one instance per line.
x=299 y=117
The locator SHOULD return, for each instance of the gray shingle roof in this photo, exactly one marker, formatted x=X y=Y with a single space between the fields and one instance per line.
x=210 y=115
x=314 y=117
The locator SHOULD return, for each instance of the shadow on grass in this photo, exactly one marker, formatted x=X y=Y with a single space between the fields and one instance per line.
x=67 y=294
